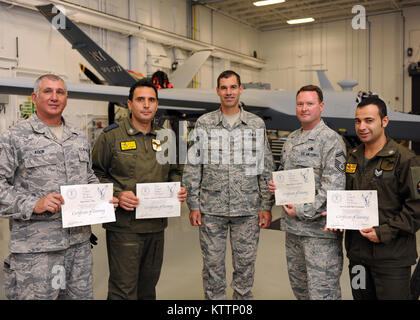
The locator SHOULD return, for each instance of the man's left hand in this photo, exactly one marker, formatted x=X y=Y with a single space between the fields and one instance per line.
x=370 y=234
x=265 y=219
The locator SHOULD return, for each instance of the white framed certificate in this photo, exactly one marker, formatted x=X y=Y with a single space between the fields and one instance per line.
x=294 y=186
x=158 y=200
x=352 y=209
x=87 y=204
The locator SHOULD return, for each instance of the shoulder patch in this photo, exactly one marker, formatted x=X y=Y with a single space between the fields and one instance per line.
x=112 y=126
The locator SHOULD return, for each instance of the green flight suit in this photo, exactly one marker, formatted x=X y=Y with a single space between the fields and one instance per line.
x=124 y=156
x=395 y=173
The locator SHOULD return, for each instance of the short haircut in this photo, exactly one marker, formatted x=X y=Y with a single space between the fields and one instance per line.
x=227 y=74
x=48 y=76
x=375 y=101
x=312 y=87
x=145 y=82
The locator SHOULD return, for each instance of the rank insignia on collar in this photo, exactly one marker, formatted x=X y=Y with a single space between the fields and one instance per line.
x=128 y=145
x=351 y=167
x=156 y=145
x=378 y=173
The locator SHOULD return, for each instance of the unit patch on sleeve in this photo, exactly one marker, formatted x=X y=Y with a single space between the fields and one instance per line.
x=128 y=145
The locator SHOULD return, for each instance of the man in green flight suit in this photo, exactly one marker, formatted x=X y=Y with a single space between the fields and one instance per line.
x=381 y=257
x=126 y=154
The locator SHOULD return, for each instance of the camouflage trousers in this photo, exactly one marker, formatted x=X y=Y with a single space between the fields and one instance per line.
x=315 y=266
x=244 y=235
x=64 y=275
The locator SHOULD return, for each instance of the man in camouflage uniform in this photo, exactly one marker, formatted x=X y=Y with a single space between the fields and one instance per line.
x=37 y=156
x=381 y=257
x=314 y=256
x=127 y=153
x=228 y=189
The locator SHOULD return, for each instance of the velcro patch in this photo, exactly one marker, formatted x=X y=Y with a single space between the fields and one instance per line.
x=388 y=164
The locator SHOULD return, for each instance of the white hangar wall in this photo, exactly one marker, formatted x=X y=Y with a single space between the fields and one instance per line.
x=375 y=57
x=216 y=29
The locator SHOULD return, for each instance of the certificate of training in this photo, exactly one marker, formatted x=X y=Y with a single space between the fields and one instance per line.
x=352 y=209
x=87 y=204
x=294 y=186
x=158 y=200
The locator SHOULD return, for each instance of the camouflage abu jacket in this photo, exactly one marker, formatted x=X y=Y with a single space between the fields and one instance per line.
x=33 y=163
x=229 y=168
x=323 y=150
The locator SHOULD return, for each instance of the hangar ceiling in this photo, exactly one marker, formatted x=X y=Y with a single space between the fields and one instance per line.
x=271 y=17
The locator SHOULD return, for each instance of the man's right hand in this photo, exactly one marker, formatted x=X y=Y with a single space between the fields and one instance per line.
x=128 y=200
x=51 y=202
x=195 y=217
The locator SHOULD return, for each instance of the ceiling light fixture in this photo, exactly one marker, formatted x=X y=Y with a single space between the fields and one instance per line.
x=304 y=20
x=267 y=2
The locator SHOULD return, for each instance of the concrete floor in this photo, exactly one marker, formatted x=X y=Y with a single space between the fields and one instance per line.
x=181 y=272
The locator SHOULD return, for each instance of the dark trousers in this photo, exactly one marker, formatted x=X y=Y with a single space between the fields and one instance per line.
x=135 y=262
x=379 y=282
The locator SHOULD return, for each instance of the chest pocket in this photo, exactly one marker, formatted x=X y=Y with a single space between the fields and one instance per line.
x=39 y=161
x=83 y=156
x=307 y=155
x=124 y=164
x=383 y=177
x=40 y=167
x=80 y=167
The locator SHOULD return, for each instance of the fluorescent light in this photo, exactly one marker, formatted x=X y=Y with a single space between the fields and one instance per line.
x=267 y=2
x=304 y=20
